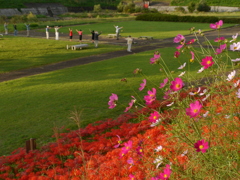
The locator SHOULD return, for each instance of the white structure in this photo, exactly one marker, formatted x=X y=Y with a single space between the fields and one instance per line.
x=213 y=8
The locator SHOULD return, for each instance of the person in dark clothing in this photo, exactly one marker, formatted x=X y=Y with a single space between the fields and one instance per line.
x=93 y=34
x=96 y=34
x=15 y=29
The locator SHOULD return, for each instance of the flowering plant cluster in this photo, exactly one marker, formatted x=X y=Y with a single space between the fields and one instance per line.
x=192 y=132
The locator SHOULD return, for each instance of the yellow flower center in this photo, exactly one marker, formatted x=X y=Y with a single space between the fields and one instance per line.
x=208 y=62
x=177 y=85
x=195 y=110
x=165 y=176
x=154 y=117
x=191 y=60
x=201 y=147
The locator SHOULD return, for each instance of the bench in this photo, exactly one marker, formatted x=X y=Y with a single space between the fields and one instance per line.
x=74 y=47
x=1 y=35
x=145 y=37
x=113 y=35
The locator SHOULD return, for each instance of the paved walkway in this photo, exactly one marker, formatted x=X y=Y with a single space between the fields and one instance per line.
x=141 y=46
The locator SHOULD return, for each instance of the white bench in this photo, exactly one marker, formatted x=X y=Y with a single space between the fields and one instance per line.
x=145 y=37
x=74 y=47
x=113 y=35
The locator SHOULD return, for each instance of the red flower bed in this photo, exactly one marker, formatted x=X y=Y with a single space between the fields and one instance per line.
x=89 y=153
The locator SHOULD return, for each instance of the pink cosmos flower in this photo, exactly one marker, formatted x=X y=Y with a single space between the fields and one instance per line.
x=150 y=97
x=194 y=109
x=130 y=161
x=164 y=83
x=112 y=101
x=142 y=85
x=217 y=25
x=130 y=104
x=176 y=54
x=139 y=151
x=219 y=39
x=119 y=142
x=165 y=175
x=191 y=41
x=207 y=62
x=182 y=66
x=155 y=59
x=132 y=177
x=177 y=84
x=166 y=94
x=235 y=46
x=154 y=117
x=201 y=145
x=179 y=46
x=193 y=56
x=236 y=60
x=234 y=38
x=179 y=38
x=222 y=47
x=126 y=148
x=238 y=93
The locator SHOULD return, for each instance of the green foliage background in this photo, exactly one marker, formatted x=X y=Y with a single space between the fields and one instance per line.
x=68 y=3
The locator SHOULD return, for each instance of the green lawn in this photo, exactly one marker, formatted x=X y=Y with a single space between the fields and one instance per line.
x=21 y=53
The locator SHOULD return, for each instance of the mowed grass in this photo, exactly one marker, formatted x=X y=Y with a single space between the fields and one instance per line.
x=22 y=53
x=32 y=106
x=158 y=30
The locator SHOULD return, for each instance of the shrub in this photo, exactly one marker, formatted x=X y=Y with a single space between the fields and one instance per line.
x=180 y=9
x=31 y=17
x=97 y=8
x=191 y=7
x=129 y=8
x=120 y=7
x=203 y=7
x=34 y=25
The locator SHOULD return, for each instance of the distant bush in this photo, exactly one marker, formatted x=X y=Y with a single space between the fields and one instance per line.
x=129 y=8
x=31 y=17
x=120 y=7
x=34 y=25
x=97 y=8
x=192 y=7
x=180 y=9
x=203 y=7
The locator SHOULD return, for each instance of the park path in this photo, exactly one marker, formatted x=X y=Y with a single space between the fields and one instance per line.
x=141 y=46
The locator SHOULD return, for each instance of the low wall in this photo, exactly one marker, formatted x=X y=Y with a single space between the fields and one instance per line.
x=48 y=11
x=213 y=8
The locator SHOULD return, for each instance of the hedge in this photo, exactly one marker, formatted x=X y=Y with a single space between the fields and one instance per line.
x=176 y=18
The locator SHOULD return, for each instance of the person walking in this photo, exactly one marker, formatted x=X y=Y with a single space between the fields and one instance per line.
x=80 y=32
x=129 y=43
x=56 y=28
x=6 y=27
x=47 y=32
x=15 y=30
x=93 y=34
x=118 y=31
x=96 y=35
x=70 y=34
x=28 y=29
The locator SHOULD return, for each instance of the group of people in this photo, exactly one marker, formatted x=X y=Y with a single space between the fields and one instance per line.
x=15 y=28
x=95 y=34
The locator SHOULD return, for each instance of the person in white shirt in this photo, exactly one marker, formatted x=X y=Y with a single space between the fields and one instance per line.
x=129 y=43
x=56 y=32
x=118 y=31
